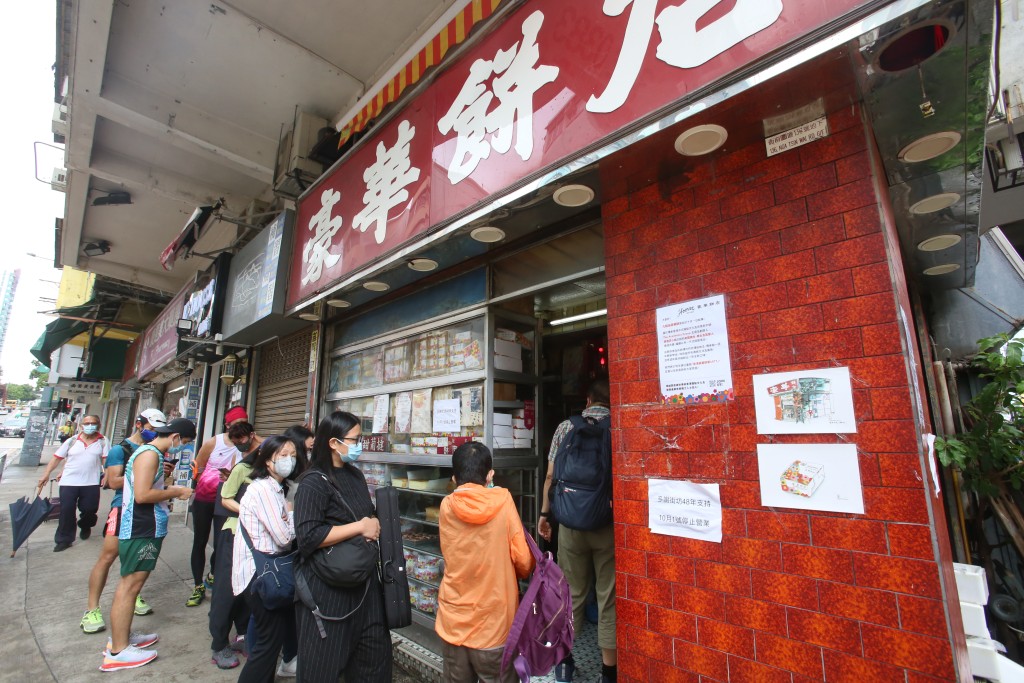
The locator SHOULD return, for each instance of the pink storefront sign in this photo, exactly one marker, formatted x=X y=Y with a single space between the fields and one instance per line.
x=161 y=342
x=553 y=79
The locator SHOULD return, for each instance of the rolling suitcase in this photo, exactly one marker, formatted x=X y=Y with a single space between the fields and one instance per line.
x=397 y=606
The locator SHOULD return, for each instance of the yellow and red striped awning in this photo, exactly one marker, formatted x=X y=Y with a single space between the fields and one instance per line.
x=452 y=34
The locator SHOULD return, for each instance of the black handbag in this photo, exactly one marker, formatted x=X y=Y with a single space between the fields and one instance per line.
x=274 y=581
x=348 y=564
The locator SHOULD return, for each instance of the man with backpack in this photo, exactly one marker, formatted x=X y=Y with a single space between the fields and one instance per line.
x=578 y=495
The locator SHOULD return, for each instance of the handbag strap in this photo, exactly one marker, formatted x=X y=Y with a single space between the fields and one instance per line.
x=305 y=596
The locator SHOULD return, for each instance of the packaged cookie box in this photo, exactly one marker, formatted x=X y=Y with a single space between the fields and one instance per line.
x=802 y=478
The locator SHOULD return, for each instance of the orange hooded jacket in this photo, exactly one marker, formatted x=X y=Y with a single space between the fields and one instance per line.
x=484 y=552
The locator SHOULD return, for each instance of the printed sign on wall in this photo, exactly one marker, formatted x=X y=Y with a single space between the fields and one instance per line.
x=805 y=402
x=693 y=352
x=685 y=509
x=810 y=477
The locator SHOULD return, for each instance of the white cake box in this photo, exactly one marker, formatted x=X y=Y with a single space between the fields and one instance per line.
x=502 y=419
x=974 y=620
x=802 y=478
x=984 y=657
x=970 y=583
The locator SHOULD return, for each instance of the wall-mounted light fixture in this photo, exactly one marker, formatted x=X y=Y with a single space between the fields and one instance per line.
x=229 y=369
x=97 y=248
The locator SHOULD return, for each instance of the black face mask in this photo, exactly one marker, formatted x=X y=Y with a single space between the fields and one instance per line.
x=244 y=447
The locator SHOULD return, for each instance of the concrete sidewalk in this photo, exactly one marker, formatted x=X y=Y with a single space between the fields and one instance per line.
x=44 y=597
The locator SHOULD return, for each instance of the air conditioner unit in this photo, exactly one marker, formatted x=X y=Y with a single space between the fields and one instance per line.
x=59 y=124
x=59 y=179
x=295 y=170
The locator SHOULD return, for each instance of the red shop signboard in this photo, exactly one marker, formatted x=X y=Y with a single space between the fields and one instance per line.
x=543 y=85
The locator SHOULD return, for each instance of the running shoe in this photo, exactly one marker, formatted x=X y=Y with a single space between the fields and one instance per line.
x=208 y=581
x=196 y=598
x=128 y=658
x=136 y=639
x=225 y=659
x=142 y=607
x=288 y=669
x=92 y=621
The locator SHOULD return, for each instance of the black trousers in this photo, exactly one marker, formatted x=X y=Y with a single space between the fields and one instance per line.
x=202 y=522
x=359 y=647
x=225 y=608
x=271 y=627
x=86 y=499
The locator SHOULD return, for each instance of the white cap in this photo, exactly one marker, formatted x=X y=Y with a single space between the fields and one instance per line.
x=154 y=417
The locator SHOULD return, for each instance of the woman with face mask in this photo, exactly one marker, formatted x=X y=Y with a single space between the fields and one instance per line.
x=332 y=505
x=265 y=515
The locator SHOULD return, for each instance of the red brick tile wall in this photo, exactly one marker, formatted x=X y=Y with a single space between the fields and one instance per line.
x=796 y=244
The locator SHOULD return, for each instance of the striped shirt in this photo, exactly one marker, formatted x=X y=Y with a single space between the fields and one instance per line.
x=143 y=520
x=264 y=515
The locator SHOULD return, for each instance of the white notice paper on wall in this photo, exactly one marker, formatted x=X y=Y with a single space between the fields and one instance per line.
x=381 y=404
x=693 y=352
x=448 y=415
x=685 y=509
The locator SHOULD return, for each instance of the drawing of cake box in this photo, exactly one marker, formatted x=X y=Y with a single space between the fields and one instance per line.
x=802 y=478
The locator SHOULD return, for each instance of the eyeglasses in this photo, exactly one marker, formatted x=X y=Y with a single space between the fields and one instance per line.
x=90 y=424
x=353 y=439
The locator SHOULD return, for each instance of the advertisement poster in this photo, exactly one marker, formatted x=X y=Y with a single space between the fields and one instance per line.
x=422 y=419
x=685 y=509
x=448 y=415
x=805 y=402
x=381 y=405
x=693 y=352
x=810 y=477
x=403 y=412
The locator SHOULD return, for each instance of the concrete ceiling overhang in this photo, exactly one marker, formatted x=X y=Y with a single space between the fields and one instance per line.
x=182 y=104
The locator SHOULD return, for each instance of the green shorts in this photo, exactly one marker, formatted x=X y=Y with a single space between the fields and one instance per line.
x=138 y=554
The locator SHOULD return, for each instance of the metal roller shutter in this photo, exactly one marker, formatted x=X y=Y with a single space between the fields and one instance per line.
x=121 y=420
x=282 y=389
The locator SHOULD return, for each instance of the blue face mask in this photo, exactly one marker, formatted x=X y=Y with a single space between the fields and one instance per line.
x=354 y=451
x=174 y=450
x=90 y=429
x=148 y=435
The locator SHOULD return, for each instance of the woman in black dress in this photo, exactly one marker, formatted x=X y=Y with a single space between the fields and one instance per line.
x=360 y=646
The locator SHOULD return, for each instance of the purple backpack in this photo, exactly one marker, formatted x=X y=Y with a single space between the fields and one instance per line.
x=542 y=632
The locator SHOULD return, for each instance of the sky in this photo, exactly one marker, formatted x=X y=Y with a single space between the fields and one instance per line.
x=27 y=55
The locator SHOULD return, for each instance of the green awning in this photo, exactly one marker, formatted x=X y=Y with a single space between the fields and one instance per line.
x=59 y=332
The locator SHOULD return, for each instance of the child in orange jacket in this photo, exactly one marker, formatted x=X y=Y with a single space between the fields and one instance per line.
x=484 y=553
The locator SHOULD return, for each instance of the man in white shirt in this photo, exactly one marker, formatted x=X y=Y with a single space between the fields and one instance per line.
x=82 y=458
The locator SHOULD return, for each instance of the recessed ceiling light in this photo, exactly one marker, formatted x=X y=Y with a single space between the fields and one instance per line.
x=943 y=269
x=488 y=234
x=423 y=265
x=939 y=242
x=937 y=202
x=573 y=195
x=338 y=303
x=309 y=316
x=376 y=286
x=701 y=140
x=929 y=147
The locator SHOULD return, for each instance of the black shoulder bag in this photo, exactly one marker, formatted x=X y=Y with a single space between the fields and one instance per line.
x=348 y=564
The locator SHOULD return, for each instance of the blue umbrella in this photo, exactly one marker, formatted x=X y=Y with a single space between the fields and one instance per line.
x=26 y=517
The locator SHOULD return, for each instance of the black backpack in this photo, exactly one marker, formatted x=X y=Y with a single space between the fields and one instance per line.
x=582 y=482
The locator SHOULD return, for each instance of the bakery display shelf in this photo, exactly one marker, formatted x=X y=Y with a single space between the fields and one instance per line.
x=432 y=548
x=421 y=492
x=417 y=520
x=424 y=582
x=423 y=618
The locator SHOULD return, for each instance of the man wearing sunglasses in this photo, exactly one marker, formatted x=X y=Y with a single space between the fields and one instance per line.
x=82 y=458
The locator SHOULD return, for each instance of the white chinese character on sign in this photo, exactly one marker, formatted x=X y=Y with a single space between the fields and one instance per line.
x=517 y=78
x=386 y=181
x=682 y=44
x=317 y=254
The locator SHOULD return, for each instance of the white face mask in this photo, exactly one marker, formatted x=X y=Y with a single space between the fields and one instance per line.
x=284 y=466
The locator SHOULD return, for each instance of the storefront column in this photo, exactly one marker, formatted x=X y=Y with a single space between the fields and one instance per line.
x=796 y=244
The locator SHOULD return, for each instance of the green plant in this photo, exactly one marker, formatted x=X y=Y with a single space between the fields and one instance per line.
x=990 y=454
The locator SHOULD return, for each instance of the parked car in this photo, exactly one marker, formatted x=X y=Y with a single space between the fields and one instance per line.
x=14 y=426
